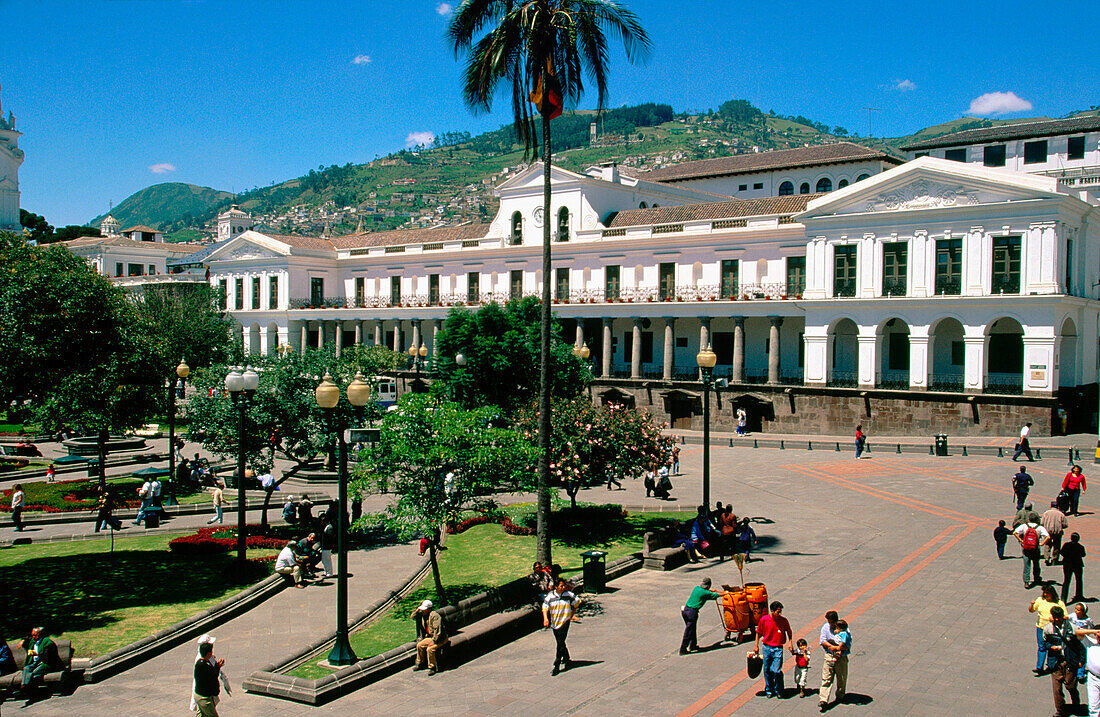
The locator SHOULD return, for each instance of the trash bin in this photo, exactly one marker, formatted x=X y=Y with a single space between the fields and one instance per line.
x=595 y=570
x=93 y=467
x=941 y=444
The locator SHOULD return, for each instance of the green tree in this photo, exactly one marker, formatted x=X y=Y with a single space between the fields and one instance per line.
x=282 y=419
x=424 y=441
x=501 y=347
x=74 y=231
x=591 y=443
x=38 y=229
x=541 y=46
x=740 y=111
x=184 y=321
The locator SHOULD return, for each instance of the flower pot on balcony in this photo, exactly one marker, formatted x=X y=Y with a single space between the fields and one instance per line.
x=784 y=296
x=744 y=297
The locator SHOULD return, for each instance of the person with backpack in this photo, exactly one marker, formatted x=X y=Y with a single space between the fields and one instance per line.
x=1021 y=486
x=1032 y=536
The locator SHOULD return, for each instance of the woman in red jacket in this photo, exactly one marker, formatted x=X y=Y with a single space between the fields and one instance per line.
x=1074 y=484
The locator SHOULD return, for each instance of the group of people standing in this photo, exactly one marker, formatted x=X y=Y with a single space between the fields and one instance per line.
x=1067 y=650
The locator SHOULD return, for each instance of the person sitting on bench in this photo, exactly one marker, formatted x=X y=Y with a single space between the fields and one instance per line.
x=42 y=657
x=431 y=636
x=287 y=564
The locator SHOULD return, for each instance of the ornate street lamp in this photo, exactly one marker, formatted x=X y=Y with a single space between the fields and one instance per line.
x=706 y=358
x=174 y=384
x=328 y=396
x=241 y=387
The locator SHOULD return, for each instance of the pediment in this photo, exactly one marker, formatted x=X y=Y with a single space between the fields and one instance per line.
x=250 y=246
x=927 y=184
x=531 y=178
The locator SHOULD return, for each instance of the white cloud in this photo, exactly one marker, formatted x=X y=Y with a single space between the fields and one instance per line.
x=418 y=138
x=997 y=103
x=444 y=9
x=162 y=168
x=361 y=60
x=906 y=86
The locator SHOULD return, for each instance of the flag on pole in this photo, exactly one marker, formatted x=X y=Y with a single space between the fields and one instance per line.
x=547 y=93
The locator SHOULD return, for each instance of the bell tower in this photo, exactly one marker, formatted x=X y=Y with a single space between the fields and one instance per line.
x=10 y=159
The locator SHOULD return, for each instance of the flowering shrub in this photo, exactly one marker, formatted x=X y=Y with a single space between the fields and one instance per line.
x=468 y=523
x=75 y=494
x=212 y=541
x=514 y=529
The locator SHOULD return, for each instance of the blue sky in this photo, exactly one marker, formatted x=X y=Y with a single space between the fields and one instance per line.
x=115 y=95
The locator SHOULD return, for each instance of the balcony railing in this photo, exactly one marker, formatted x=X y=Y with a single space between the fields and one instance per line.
x=894 y=286
x=844 y=288
x=843 y=379
x=1009 y=384
x=948 y=286
x=1006 y=284
x=949 y=383
x=893 y=380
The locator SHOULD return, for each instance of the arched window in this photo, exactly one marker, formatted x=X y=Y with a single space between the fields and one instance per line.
x=804 y=188
x=786 y=189
x=842 y=184
x=824 y=185
x=641 y=205
x=861 y=177
x=517 y=228
x=655 y=205
x=563 y=224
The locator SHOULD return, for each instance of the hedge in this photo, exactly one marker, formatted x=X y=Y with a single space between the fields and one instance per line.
x=207 y=542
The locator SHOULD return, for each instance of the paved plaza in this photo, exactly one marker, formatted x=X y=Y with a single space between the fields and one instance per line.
x=900 y=545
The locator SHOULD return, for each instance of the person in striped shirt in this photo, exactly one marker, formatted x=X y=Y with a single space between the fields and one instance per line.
x=557 y=613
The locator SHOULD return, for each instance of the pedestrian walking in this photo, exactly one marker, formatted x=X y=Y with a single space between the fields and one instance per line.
x=1000 y=537
x=18 y=500
x=1074 y=484
x=773 y=630
x=742 y=421
x=1021 y=486
x=834 y=664
x=1092 y=670
x=1073 y=564
x=51 y=474
x=700 y=595
x=1026 y=514
x=861 y=440
x=1024 y=446
x=218 y=499
x=1055 y=523
x=801 y=665
x=612 y=478
x=676 y=460
x=557 y=613
x=105 y=504
x=1032 y=537
x=208 y=679
x=328 y=542
x=1064 y=650
x=1041 y=606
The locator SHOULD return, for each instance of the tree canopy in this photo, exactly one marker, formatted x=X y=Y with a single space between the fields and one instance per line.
x=501 y=347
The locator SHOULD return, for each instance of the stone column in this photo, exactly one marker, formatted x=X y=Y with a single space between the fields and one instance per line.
x=607 y=348
x=773 y=348
x=918 y=359
x=436 y=326
x=738 y=375
x=704 y=337
x=378 y=333
x=358 y=333
x=397 y=337
x=974 y=362
x=579 y=340
x=305 y=336
x=246 y=344
x=339 y=327
x=670 y=349
x=320 y=334
x=867 y=345
x=416 y=334
x=817 y=351
x=636 y=349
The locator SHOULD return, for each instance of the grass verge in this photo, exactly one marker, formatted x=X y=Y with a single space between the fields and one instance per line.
x=103 y=600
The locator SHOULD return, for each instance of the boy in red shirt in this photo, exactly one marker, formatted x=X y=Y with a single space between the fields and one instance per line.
x=774 y=630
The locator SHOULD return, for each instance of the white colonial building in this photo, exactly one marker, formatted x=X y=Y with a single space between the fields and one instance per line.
x=10 y=159
x=932 y=296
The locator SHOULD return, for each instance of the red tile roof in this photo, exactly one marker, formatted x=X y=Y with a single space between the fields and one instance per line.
x=141 y=228
x=1016 y=130
x=818 y=154
x=733 y=209
x=167 y=247
x=399 y=237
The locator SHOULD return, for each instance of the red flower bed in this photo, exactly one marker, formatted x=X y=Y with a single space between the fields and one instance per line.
x=468 y=523
x=205 y=543
x=513 y=529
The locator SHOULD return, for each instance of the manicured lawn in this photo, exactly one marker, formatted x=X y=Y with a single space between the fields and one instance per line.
x=485 y=556
x=102 y=600
x=79 y=494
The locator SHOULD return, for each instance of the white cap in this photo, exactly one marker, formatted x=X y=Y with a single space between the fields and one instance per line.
x=426 y=605
x=207 y=639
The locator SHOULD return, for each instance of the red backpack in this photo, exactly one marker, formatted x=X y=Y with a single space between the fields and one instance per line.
x=1031 y=538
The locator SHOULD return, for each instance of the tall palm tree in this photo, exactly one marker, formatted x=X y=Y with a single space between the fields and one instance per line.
x=543 y=49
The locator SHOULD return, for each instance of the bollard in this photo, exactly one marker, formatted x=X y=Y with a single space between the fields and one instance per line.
x=754 y=443
x=931 y=451
x=964 y=451
x=1038 y=455
x=1000 y=452
x=899 y=449
x=781 y=446
x=838 y=447
x=683 y=440
x=809 y=445
x=867 y=448
x=1070 y=457
x=1078 y=452
x=731 y=443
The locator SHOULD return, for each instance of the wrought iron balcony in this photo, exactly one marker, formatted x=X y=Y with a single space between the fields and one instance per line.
x=948 y=286
x=894 y=286
x=1006 y=284
x=844 y=288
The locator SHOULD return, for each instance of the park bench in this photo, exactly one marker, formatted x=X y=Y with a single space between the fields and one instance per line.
x=658 y=553
x=50 y=679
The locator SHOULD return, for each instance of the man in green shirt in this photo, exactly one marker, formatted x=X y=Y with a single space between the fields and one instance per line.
x=700 y=594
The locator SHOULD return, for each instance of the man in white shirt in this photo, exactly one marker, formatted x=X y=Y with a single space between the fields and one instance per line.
x=1024 y=447
x=1032 y=537
x=287 y=564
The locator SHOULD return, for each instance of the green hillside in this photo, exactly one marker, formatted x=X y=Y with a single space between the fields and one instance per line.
x=168 y=206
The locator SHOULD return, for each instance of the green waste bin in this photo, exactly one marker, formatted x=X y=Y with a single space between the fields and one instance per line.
x=941 y=444
x=93 y=467
x=594 y=570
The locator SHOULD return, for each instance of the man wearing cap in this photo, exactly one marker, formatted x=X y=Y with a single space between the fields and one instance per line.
x=287 y=564
x=700 y=594
x=208 y=672
x=430 y=636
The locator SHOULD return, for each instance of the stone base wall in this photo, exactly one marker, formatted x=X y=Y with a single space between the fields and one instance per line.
x=835 y=411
